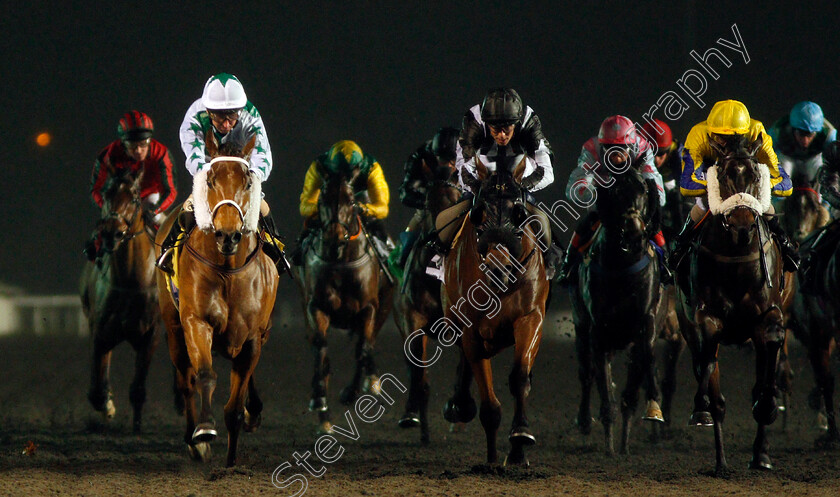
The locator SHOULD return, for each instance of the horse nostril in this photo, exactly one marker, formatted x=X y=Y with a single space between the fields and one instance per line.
x=219 y=234
x=119 y=235
x=236 y=237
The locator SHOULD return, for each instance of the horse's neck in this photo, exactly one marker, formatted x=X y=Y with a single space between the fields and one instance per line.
x=718 y=240
x=607 y=246
x=353 y=250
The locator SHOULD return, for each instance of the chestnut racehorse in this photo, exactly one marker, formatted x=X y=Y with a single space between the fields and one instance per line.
x=227 y=287
x=729 y=293
x=494 y=296
x=118 y=293
x=417 y=303
x=344 y=286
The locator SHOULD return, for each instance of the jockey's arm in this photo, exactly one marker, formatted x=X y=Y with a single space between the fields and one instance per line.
x=649 y=172
x=539 y=151
x=779 y=179
x=98 y=177
x=829 y=175
x=413 y=187
x=168 y=191
x=261 y=160
x=191 y=133
x=378 y=192
x=311 y=190
x=580 y=188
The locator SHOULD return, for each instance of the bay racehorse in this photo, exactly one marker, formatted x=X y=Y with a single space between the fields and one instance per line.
x=803 y=214
x=729 y=293
x=494 y=296
x=615 y=304
x=226 y=291
x=417 y=303
x=118 y=293
x=344 y=286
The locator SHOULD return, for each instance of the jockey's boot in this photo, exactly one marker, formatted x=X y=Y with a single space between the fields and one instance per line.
x=682 y=242
x=567 y=275
x=553 y=258
x=273 y=243
x=408 y=239
x=436 y=244
x=185 y=224
x=382 y=243
x=789 y=252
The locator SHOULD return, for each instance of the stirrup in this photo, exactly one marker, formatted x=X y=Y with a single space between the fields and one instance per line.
x=164 y=262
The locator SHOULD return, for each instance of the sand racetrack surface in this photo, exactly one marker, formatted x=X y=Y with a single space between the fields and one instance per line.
x=43 y=400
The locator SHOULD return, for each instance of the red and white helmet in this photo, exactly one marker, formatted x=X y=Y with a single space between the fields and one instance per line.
x=617 y=130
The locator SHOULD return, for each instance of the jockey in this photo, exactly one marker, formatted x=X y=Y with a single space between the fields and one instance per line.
x=225 y=109
x=617 y=142
x=440 y=151
x=135 y=150
x=668 y=161
x=800 y=138
x=369 y=187
x=729 y=120
x=500 y=123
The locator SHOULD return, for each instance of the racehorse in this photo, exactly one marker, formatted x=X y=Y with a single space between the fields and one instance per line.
x=615 y=304
x=494 y=296
x=803 y=213
x=417 y=304
x=342 y=285
x=118 y=293
x=226 y=292
x=730 y=293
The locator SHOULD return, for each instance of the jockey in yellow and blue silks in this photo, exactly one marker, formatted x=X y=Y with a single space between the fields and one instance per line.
x=370 y=188
x=729 y=120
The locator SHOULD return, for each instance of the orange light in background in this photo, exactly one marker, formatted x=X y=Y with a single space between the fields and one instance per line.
x=43 y=139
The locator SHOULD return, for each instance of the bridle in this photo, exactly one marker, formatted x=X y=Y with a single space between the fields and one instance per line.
x=227 y=201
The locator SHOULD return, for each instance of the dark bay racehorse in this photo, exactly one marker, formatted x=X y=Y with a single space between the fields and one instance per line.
x=344 y=286
x=494 y=297
x=729 y=293
x=227 y=287
x=118 y=293
x=417 y=303
x=803 y=214
x=615 y=304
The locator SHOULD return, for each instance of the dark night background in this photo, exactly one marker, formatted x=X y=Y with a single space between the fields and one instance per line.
x=385 y=74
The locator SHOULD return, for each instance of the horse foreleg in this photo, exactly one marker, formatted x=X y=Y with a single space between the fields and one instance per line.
x=99 y=394
x=770 y=339
x=784 y=379
x=640 y=368
x=418 y=393
x=240 y=377
x=318 y=324
x=718 y=412
x=819 y=353
x=528 y=331
x=365 y=366
x=673 y=349
x=704 y=356
x=461 y=408
x=490 y=413
x=144 y=350
x=603 y=380
x=198 y=336
x=253 y=407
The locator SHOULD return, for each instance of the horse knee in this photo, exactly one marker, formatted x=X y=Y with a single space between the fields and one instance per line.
x=490 y=415
x=519 y=382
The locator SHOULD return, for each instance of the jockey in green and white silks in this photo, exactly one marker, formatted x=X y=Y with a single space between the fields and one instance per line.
x=225 y=110
x=224 y=93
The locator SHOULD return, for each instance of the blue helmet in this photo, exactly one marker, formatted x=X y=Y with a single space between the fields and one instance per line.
x=806 y=116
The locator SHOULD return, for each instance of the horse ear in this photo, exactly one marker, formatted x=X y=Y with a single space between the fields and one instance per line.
x=755 y=146
x=211 y=144
x=249 y=147
x=719 y=149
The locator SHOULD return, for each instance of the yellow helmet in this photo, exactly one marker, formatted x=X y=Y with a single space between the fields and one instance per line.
x=729 y=117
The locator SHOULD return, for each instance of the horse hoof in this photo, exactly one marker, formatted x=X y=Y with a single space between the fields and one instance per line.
x=762 y=463
x=371 y=385
x=204 y=432
x=653 y=412
x=325 y=428
x=514 y=461
x=318 y=404
x=252 y=422
x=200 y=452
x=348 y=395
x=822 y=422
x=109 y=411
x=521 y=435
x=409 y=420
x=701 y=418
x=460 y=413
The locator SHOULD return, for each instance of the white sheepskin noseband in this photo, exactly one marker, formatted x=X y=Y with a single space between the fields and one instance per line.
x=720 y=206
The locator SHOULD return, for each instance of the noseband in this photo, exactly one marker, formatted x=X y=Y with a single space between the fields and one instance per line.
x=228 y=201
